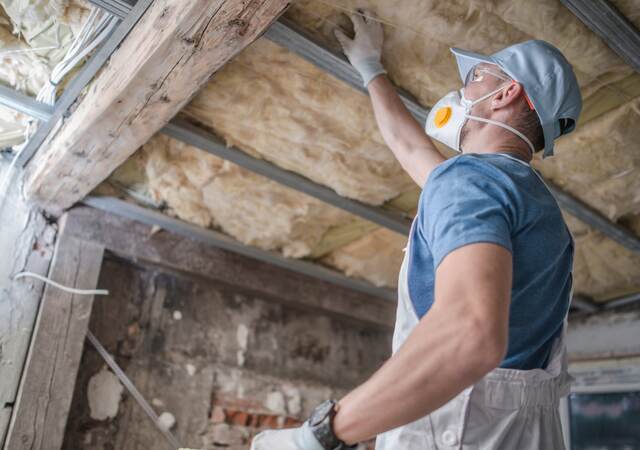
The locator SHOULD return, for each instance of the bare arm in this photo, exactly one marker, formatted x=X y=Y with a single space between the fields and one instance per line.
x=463 y=337
x=402 y=133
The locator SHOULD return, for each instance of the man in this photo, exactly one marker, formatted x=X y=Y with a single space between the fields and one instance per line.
x=479 y=360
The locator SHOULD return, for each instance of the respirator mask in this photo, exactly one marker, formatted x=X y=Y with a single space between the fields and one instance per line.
x=449 y=114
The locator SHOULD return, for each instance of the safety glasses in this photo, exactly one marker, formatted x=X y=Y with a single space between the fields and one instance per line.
x=477 y=74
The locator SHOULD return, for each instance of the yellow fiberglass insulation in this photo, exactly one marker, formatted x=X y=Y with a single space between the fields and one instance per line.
x=602 y=268
x=599 y=163
x=20 y=68
x=277 y=106
x=419 y=33
x=34 y=37
x=203 y=189
x=47 y=26
x=375 y=257
x=12 y=127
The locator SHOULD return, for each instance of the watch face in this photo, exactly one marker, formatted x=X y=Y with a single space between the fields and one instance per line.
x=321 y=413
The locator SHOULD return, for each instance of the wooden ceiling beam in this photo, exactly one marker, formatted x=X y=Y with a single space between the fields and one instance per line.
x=171 y=52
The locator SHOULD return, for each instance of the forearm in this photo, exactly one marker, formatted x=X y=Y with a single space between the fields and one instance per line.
x=438 y=360
x=401 y=131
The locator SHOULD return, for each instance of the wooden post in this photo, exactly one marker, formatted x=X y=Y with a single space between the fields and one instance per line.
x=46 y=389
x=172 y=51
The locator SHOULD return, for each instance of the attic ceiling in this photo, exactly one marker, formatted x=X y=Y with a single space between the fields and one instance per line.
x=275 y=106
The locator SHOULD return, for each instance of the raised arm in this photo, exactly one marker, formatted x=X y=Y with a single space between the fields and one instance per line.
x=402 y=133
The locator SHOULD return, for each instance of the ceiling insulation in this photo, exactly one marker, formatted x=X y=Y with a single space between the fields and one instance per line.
x=208 y=191
x=376 y=257
x=275 y=106
x=599 y=163
x=34 y=37
x=418 y=35
x=602 y=269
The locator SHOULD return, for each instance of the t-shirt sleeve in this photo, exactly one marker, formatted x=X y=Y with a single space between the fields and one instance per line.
x=464 y=203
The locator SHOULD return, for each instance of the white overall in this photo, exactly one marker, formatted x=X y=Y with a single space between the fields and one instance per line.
x=508 y=409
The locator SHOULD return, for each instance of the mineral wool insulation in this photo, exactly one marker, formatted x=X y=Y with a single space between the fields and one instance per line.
x=276 y=106
x=34 y=37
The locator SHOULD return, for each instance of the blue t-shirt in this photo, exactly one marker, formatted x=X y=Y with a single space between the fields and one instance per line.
x=494 y=198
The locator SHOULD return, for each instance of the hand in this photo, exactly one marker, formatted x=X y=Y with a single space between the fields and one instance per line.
x=300 y=438
x=365 y=49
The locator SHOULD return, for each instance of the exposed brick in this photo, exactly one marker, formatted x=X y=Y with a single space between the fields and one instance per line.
x=237 y=418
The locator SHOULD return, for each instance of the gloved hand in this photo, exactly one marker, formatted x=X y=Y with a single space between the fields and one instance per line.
x=365 y=49
x=300 y=438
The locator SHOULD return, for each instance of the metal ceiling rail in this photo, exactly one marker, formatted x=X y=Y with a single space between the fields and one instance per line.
x=204 y=140
x=118 y=8
x=612 y=26
x=151 y=217
x=75 y=87
x=286 y=34
x=24 y=104
x=584 y=304
x=621 y=301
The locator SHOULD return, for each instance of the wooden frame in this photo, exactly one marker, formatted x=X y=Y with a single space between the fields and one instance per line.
x=86 y=236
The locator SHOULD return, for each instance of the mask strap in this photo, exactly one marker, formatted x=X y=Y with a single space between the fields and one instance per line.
x=506 y=127
x=478 y=100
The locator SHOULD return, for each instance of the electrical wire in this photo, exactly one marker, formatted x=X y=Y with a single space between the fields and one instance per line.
x=61 y=286
x=94 y=31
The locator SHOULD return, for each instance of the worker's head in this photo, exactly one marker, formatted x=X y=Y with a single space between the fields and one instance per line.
x=492 y=94
x=524 y=96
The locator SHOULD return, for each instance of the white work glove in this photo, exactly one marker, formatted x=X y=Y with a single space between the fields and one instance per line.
x=300 y=438
x=365 y=49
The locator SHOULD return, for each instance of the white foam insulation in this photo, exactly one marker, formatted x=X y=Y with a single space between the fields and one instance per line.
x=34 y=37
x=274 y=105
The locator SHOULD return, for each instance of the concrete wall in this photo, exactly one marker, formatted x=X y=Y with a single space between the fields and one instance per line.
x=226 y=362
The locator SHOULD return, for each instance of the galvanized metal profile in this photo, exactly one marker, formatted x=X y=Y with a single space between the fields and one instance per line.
x=611 y=25
x=595 y=219
x=584 y=304
x=204 y=140
x=286 y=34
x=24 y=104
x=118 y=8
x=73 y=90
x=151 y=217
x=619 y=302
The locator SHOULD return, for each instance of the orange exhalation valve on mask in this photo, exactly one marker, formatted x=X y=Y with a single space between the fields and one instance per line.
x=442 y=116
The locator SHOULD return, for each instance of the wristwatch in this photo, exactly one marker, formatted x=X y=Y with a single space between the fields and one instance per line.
x=321 y=424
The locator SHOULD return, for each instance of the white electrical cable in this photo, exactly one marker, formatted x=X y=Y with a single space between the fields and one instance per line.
x=60 y=286
x=94 y=31
x=135 y=393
